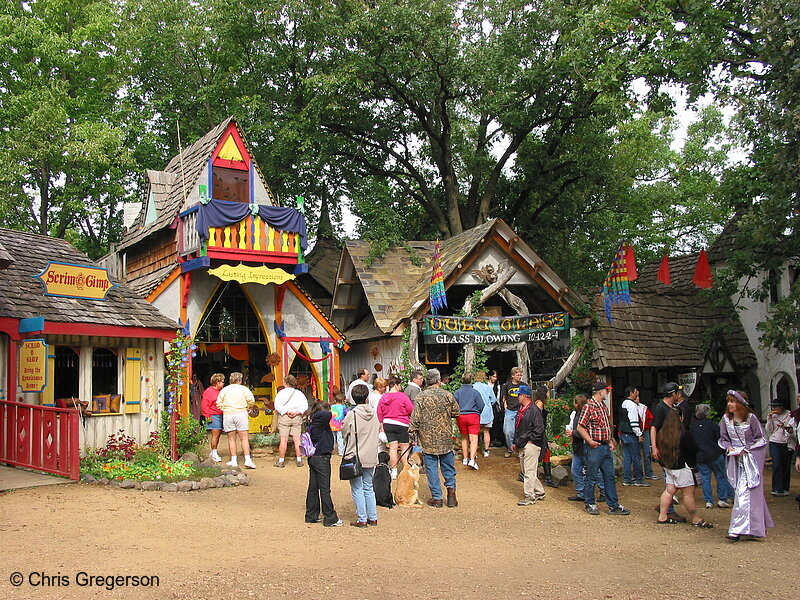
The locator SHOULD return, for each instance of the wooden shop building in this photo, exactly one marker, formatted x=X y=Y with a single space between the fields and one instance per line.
x=73 y=343
x=209 y=247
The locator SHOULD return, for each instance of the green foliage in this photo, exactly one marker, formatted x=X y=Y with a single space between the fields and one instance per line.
x=189 y=431
x=178 y=356
x=64 y=142
x=558 y=411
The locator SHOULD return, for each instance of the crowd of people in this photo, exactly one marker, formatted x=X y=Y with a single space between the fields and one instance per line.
x=370 y=417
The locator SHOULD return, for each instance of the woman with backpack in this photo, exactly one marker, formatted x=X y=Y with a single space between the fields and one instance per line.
x=318 y=496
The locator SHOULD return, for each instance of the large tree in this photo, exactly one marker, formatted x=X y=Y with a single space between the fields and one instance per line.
x=760 y=56
x=65 y=162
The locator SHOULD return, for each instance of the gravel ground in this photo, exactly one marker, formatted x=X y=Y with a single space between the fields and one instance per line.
x=252 y=542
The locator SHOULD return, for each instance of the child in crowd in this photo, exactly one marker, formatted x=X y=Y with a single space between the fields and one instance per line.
x=338 y=412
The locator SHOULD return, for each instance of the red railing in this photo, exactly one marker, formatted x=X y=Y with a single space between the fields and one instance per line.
x=40 y=437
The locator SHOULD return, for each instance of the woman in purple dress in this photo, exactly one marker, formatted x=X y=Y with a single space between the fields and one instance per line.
x=745 y=444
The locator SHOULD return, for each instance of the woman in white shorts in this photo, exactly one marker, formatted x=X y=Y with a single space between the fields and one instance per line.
x=674 y=448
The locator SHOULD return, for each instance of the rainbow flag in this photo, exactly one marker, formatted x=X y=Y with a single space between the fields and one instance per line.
x=616 y=289
x=437 y=295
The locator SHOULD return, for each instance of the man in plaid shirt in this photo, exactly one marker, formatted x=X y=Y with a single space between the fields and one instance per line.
x=595 y=429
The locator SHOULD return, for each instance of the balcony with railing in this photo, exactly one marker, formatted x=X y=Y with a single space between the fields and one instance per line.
x=252 y=238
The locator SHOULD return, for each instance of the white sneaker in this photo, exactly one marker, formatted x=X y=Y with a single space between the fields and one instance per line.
x=485 y=454
x=465 y=462
x=709 y=505
x=232 y=463
x=724 y=504
x=394 y=473
x=473 y=464
x=215 y=457
x=249 y=464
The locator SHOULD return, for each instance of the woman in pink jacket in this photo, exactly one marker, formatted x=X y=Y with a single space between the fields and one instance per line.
x=394 y=415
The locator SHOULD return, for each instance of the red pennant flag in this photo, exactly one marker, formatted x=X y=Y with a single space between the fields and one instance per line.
x=702 y=272
x=663 y=271
x=630 y=262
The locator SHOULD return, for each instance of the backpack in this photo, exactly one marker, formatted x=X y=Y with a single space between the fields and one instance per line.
x=307 y=446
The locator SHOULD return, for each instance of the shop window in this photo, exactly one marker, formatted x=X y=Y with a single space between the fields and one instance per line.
x=774 y=286
x=230 y=319
x=105 y=381
x=230 y=184
x=66 y=373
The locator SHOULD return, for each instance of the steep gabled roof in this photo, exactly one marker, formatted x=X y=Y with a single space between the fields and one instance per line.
x=323 y=263
x=175 y=183
x=396 y=288
x=666 y=326
x=24 y=297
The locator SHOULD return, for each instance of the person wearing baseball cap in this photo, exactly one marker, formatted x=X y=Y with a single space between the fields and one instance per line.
x=670 y=395
x=594 y=427
x=529 y=442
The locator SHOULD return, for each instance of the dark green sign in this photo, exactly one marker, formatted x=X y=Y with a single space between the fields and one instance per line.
x=493 y=330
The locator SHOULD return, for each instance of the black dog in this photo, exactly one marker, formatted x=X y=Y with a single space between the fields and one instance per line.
x=382 y=482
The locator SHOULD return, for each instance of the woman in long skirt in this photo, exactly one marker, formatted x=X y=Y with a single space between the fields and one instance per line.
x=745 y=444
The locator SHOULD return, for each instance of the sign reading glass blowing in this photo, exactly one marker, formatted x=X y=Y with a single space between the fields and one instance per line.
x=493 y=330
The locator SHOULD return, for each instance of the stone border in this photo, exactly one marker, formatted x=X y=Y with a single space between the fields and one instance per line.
x=227 y=478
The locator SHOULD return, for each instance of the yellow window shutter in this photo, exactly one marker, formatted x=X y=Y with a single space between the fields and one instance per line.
x=133 y=375
x=48 y=393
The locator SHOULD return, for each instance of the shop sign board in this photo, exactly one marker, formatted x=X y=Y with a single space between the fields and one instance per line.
x=32 y=365
x=688 y=381
x=494 y=330
x=244 y=274
x=75 y=281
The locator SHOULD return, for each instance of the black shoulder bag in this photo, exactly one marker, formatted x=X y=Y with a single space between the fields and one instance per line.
x=351 y=467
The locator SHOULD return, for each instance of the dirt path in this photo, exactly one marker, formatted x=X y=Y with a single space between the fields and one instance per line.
x=252 y=542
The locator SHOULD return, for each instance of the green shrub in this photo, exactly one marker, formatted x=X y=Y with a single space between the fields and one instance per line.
x=190 y=433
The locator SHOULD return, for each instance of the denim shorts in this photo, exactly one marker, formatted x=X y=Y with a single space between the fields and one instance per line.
x=214 y=422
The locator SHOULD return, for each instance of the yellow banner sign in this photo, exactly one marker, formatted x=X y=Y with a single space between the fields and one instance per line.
x=32 y=366
x=75 y=281
x=242 y=274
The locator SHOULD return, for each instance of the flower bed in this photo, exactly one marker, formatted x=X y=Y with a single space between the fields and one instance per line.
x=124 y=463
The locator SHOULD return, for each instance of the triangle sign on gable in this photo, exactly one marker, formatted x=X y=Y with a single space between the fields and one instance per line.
x=230 y=151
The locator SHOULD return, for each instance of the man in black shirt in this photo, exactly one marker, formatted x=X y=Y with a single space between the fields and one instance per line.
x=509 y=398
x=672 y=392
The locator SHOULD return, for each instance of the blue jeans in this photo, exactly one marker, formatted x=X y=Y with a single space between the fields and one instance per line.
x=447 y=462
x=509 y=426
x=631 y=465
x=337 y=435
x=600 y=464
x=364 y=496
x=717 y=467
x=579 y=476
x=646 y=460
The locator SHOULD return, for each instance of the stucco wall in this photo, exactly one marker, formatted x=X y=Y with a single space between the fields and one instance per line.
x=771 y=364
